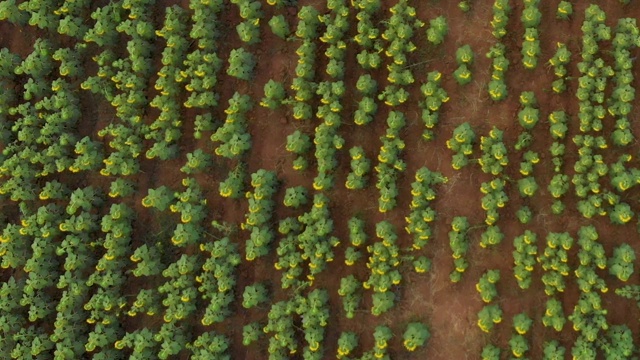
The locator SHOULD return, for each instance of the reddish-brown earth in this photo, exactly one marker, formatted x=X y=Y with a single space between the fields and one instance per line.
x=449 y=309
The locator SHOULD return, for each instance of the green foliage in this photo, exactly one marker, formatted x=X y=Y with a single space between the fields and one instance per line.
x=619 y=342
x=241 y=64
x=464 y=55
x=528 y=117
x=524 y=215
x=462 y=74
x=553 y=350
x=519 y=345
x=459 y=243
x=527 y=186
x=621 y=263
x=298 y=142
x=347 y=343
x=462 y=144
x=295 y=196
x=492 y=236
x=274 y=95
x=531 y=16
x=415 y=335
x=530 y=48
x=279 y=26
x=9 y=11
x=233 y=185
x=197 y=161
x=422 y=265
x=254 y=295
x=360 y=167
x=494 y=153
x=497 y=90
x=621 y=213
x=524 y=258
x=522 y=323
x=357 y=235
x=158 y=198
x=366 y=85
x=351 y=295
x=488 y=317
x=486 y=285
x=565 y=10
x=490 y=352
x=438 y=29
x=501 y=12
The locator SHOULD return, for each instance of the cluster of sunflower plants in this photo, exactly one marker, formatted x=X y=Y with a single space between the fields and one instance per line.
x=202 y=65
x=351 y=293
x=494 y=152
x=464 y=58
x=528 y=117
x=594 y=72
x=398 y=33
x=486 y=285
x=559 y=61
x=589 y=319
x=367 y=106
x=326 y=137
x=494 y=199
x=592 y=258
x=261 y=205
x=422 y=214
x=589 y=167
x=281 y=323
x=621 y=263
x=40 y=143
x=461 y=143
x=357 y=238
x=299 y=143
x=554 y=315
x=233 y=135
x=347 y=343
x=488 y=317
x=382 y=334
x=383 y=263
x=529 y=113
x=251 y=13
x=625 y=40
x=314 y=312
x=307 y=239
x=191 y=206
x=459 y=243
x=390 y=163
x=165 y=131
x=524 y=258
x=415 y=335
x=303 y=84
x=497 y=87
x=368 y=35
x=438 y=29
x=435 y=96
x=360 y=167
x=554 y=261
x=218 y=278
x=518 y=343
x=233 y=185
x=558 y=127
x=501 y=12
x=531 y=17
